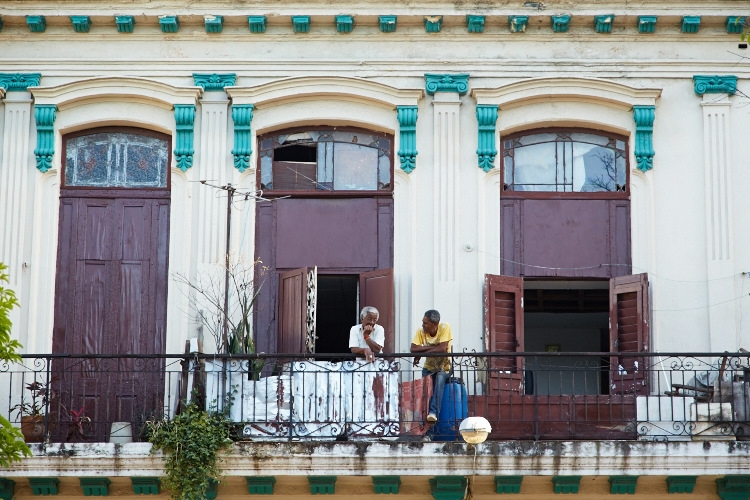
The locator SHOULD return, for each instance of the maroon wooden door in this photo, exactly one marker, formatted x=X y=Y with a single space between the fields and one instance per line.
x=376 y=290
x=629 y=333
x=110 y=298
x=297 y=305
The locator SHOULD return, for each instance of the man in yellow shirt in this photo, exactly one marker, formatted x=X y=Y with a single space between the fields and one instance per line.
x=433 y=337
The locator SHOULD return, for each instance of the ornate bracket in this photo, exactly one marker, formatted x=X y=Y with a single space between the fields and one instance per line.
x=407 y=120
x=446 y=83
x=44 y=114
x=724 y=84
x=644 y=131
x=184 y=116
x=19 y=81
x=560 y=23
x=486 y=150
x=242 y=116
x=214 y=81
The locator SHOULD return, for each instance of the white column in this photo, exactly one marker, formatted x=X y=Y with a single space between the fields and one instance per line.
x=16 y=195
x=445 y=204
x=719 y=251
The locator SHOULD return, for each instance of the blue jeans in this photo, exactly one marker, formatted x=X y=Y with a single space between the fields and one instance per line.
x=438 y=384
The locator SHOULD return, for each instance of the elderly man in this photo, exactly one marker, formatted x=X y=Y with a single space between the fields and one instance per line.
x=367 y=338
x=433 y=337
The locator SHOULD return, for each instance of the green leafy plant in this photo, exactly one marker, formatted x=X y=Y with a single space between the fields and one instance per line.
x=191 y=441
x=12 y=445
x=41 y=396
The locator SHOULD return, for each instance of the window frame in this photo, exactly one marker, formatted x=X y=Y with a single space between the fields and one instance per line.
x=119 y=129
x=506 y=193
x=358 y=193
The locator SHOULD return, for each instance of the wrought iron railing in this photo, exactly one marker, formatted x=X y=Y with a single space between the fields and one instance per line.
x=528 y=396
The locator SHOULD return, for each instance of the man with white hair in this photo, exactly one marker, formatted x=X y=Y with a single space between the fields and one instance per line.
x=367 y=338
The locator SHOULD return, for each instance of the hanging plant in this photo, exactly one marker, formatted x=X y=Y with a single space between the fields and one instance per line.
x=191 y=441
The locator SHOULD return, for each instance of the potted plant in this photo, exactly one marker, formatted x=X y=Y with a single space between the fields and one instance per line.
x=32 y=412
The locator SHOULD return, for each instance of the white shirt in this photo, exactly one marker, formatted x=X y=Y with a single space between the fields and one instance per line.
x=357 y=338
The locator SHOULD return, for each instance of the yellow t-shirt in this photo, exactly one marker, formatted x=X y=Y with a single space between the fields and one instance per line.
x=443 y=335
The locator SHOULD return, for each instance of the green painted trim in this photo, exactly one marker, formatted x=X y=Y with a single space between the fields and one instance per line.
x=560 y=24
x=715 y=84
x=45 y=114
x=566 y=484
x=212 y=491
x=386 y=485
x=448 y=487
x=125 y=24
x=486 y=148
x=322 y=485
x=433 y=24
x=344 y=23
x=301 y=24
x=475 y=24
x=95 y=486
x=681 y=484
x=257 y=24
x=603 y=24
x=388 y=23
x=184 y=115
x=446 y=83
x=242 y=116
x=508 y=484
x=214 y=81
x=214 y=24
x=735 y=487
x=407 y=121
x=146 y=485
x=646 y=24
x=735 y=24
x=169 y=24
x=81 y=24
x=622 y=485
x=691 y=24
x=260 y=485
x=644 y=132
x=7 y=488
x=19 y=82
x=517 y=24
x=37 y=24
x=44 y=485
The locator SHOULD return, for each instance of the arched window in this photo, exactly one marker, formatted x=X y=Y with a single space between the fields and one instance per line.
x=565 y=161
x=324 y=159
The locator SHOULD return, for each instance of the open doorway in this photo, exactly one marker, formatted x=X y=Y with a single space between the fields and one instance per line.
x=338 y=304
x=566 y=317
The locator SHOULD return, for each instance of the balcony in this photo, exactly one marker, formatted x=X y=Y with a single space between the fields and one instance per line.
x=524 y=396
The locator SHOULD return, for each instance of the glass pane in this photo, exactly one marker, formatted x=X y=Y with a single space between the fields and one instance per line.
x=355 y=167
x=266 y=170
x=115 y=159
x=535 y=165
x=600 y=170
x=598 y=140
x=325 y=165
x=384 y=173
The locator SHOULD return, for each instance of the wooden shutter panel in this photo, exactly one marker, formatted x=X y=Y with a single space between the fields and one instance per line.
x=503 y=321
x=629 y=333
x=294 y=287
x=376 y=290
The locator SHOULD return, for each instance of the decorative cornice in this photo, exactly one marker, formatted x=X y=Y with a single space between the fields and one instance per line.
x=257 y=24
x=184 y=116
x=561 y=23
x=344 y=23
x=691 y=24
x=81 y=24
x=213 y=24
x=169 y=24
x=475 y=24
x=125 y=24
x=260 y=485
x=301 y=24
x=322 y=485
x=486 y=149
x=735 y=24
x=387 y=23
x=37 y=24
x=19 y=81
x=407 y=121
x=733 y=487
x=45 y=114
x=214 y=81
x=646 y=24
x=566 y=484
x=242 y=116
x=622 y=485
x=517 y=24
x=715 y=84
x=644 y=132
x=446 y=83
x=44 y=485
x=146 y=485
x=433 y=24
x=603 y=24
x=7 y=488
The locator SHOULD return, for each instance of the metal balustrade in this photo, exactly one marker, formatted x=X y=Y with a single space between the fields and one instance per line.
x=524 y=395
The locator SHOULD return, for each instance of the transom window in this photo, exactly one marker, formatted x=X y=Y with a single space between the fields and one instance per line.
x=326 y=160
x=116 y=159
x=564 y=161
